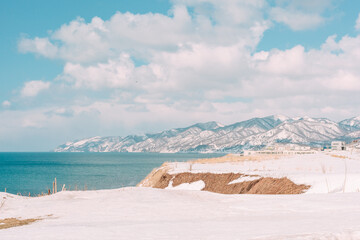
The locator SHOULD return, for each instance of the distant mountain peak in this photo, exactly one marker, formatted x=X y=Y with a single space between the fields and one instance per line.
x=280 y=117
x=351 y=123
x=208 y=125
x=215 y=137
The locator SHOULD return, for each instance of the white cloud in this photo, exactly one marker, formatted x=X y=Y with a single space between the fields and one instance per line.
x=203 y=72
x=296 y=20
x=41 y=46
x=357 y=24
x=229 y=12
x=113 y=74
x=6 y=103
x=300 y=15
x=33 y=88
x=206 y=54
x=143 y=35
x=288 y=62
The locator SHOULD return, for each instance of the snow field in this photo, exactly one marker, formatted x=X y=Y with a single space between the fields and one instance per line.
x=146 y=213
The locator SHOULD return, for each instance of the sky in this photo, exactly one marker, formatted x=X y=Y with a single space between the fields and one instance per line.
x=76 y=69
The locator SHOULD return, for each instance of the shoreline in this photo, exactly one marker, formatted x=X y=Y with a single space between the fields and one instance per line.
x=32 y=172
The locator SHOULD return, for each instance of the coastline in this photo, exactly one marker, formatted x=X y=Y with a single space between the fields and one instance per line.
x=33 y=173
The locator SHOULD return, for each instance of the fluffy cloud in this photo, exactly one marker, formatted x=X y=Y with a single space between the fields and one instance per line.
x=33 y=88
x=206 y=54
x=41 y=46
x=143 y=35
x=6 y=103
x=300 y=15
x=113 y=74
x=296 y=20
x=206 y=72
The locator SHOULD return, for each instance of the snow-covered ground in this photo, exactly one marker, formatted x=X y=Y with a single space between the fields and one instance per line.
x=325 y=172
x=145 y=213
x=175 y=213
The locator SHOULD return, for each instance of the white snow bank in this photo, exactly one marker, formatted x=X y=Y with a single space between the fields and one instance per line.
x=325 y=172
x=198 y=185
x=146 y=213
x=244 y=179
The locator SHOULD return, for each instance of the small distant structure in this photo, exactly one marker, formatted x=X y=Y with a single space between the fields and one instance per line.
x=354 y=145
x=326 y=148
x=338 y=145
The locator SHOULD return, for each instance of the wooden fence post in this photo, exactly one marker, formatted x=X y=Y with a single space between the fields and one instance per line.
x=55 y=186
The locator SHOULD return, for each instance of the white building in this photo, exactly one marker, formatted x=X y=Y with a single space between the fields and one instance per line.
x=338 y=145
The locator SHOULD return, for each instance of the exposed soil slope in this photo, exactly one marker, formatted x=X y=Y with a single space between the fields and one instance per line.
x=219 y=183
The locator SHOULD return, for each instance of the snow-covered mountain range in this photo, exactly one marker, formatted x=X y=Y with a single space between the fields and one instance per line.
x=214 y=137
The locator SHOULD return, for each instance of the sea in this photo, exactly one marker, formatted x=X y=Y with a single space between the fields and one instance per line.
x=34 y=173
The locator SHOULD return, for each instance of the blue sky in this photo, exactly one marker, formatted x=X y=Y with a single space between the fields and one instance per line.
x=76 y=69
x=36 y=18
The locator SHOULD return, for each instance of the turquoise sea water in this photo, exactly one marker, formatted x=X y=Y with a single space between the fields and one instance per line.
x=35 y=172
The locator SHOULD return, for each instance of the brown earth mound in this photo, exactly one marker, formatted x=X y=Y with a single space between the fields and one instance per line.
x=154 y=177
x=14 y=222
x=219 y=183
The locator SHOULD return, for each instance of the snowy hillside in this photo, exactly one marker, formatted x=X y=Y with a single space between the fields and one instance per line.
x=351 y=124
x=215 y=137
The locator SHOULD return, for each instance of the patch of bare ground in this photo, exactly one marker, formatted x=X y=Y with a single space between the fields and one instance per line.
x=219 y=183
x=14 y=222
x=338 y=156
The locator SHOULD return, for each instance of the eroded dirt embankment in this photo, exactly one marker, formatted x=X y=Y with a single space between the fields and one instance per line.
x=221 y=182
